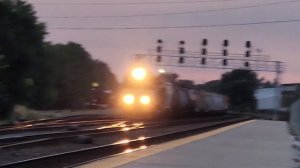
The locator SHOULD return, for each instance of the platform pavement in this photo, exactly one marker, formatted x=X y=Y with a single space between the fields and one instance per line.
x=258 y=144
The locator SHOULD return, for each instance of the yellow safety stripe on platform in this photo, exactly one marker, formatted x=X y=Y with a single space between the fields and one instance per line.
x=130 y=157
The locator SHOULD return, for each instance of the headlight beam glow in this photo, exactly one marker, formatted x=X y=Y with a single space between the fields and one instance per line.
x=128 y=99
x=145 y=100
x=138 y=73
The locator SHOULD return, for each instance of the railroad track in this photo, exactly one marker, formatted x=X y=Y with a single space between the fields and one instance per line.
x=104 y=130
x=48 y=123
x=17 y=141
x=79 y=156
x=57 y=126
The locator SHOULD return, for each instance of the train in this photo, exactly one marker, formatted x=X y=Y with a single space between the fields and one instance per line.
x=144 y=94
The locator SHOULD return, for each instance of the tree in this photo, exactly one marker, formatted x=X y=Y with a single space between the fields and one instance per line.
x=212 y=86
x=263 y=83
x=38 y=74
x=103 y=75
x=70 y=74
x=21 y=42
x=240 y=85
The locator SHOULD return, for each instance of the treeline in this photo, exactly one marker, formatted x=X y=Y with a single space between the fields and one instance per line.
x=70 y=72
x=39 y=74
x=240 y=86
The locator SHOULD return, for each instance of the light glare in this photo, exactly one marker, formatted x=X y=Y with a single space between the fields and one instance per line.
x=126 y=129
x=128 y=99
x=124 y=141
x=161 y=71
x=141 y=138
x=143 y=147
x=128 y=151
x=145 y=99
x=137 y=124
x=138 y=73
x=123 y=125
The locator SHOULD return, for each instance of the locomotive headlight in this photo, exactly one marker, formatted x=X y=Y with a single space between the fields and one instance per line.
x=145 y=100
x=139 y=73
x=128 y=99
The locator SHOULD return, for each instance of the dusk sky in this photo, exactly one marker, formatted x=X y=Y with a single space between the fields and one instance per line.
x=118 y=46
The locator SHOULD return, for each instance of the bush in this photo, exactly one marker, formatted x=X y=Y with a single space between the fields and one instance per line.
x=22 y=113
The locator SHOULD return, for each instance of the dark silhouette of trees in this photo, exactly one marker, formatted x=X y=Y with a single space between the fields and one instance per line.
x=211 y=86
x=21 y=43
x=240 y=85
x=43 y=75
x=70 y=75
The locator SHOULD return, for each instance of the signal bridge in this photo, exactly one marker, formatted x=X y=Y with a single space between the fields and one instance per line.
x=215 y=60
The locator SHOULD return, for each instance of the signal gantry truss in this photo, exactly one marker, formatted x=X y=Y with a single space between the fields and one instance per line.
x=215 y=60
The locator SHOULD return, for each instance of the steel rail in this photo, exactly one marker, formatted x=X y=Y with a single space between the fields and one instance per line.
x=56 y=121
x=47 y=139
x=56 y=126
x=80 y=156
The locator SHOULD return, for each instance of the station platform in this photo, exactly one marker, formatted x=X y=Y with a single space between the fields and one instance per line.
x=251 y=144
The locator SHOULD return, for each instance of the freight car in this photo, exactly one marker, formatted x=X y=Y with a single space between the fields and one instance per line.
x=144 y=95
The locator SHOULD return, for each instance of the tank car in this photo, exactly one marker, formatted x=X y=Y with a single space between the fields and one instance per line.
x=144 y=95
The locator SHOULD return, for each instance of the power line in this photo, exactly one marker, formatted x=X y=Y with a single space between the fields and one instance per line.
x=173 y=13
x=132 y=3
x=176 y=27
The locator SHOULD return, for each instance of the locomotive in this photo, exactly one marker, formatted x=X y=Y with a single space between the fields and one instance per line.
x=145 y=95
